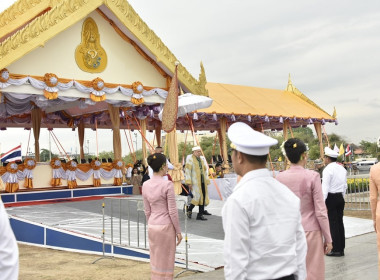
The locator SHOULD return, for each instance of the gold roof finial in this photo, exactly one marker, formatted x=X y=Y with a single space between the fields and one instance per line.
x=201 y=84
x=290 y=87
x=334 y=113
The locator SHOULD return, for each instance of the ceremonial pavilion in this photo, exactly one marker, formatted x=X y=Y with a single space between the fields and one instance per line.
x=95 y=64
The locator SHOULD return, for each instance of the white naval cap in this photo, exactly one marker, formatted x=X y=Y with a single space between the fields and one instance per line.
x=331 y=153
x=196 y=148
x=249 y=141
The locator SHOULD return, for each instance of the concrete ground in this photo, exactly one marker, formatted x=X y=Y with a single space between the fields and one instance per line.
x=205 y=237
x=359 y=262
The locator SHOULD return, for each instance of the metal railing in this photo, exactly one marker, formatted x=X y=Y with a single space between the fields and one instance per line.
x=124 y=224
x=129 y=216
x=357 y=194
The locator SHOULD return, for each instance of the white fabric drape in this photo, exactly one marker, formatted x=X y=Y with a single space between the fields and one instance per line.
x=59 y=173
x=15 y=82
x=96 y=174
x=41 y=85
x=8 y=177
x=70 y=175
x=107 y=174
x=83 y=176
x=28 y=173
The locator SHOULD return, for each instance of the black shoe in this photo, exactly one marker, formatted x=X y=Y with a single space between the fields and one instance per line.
x=206 y=213
x=335 y=254
x=189 y=213
x=201 y=218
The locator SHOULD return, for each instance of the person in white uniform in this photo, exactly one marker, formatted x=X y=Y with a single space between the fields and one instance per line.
x=170 y=166
x=9 y=261
x=334 y=185
x=264 y=237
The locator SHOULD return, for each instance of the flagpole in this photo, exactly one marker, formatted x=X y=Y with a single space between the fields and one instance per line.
x=344 y=154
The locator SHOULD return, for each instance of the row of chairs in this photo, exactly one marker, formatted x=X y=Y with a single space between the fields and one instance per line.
x=218 y=158
x=83 y=160
x=103 y=160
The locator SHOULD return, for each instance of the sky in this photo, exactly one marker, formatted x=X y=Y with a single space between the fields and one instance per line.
x=331 y=49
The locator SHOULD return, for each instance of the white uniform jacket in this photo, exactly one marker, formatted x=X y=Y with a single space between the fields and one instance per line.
x=150 y=170
x=334 y=179
x=129 y=172
x=264 y=237
x=8 y=248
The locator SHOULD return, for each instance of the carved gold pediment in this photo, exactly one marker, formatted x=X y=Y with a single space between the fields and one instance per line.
x=90 y=55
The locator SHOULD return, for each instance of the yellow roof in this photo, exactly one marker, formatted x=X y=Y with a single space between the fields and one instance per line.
x=245 y=100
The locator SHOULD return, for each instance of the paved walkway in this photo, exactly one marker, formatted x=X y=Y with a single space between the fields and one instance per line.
x=359 y=262
x=205 y=238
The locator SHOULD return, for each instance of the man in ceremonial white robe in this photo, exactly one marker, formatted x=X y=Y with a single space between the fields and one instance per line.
x=197 y=179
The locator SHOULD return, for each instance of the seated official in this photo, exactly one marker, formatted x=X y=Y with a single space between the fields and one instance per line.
x=218 y=172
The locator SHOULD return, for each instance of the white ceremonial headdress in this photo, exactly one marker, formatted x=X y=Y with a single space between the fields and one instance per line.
x=331 y=153
x=249 y=141
x=196 y=148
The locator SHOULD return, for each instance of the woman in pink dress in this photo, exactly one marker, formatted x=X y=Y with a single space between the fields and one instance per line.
x=162 y=218
x=374 y=190
x=306 y=184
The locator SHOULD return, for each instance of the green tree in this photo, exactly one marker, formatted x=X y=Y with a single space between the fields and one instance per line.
x=45 y=155
x=275 y=151
x=369 y=148
x=130 y=158
x=183 y=150
x=106 y=155
x=210 y=147
x=304 y=133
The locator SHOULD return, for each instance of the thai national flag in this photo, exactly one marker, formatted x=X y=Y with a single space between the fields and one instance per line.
x=12 y=155
x=348 y=150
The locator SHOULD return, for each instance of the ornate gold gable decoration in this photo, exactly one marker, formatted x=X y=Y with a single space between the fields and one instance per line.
x=89 y=55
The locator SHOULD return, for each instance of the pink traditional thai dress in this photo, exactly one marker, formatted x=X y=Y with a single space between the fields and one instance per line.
x=163 y=225
x=374 y=190
x=306 y=184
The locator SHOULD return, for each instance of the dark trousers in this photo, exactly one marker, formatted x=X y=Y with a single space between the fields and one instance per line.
x=335 y=207
x=289 y=277
x=201 y=207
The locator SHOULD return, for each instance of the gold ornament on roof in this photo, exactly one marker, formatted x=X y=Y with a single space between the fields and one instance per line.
x=97 y=95
x=97 y=84
x=137 y=87
x=4 y=75
x=51 y=80
x=89 y=55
